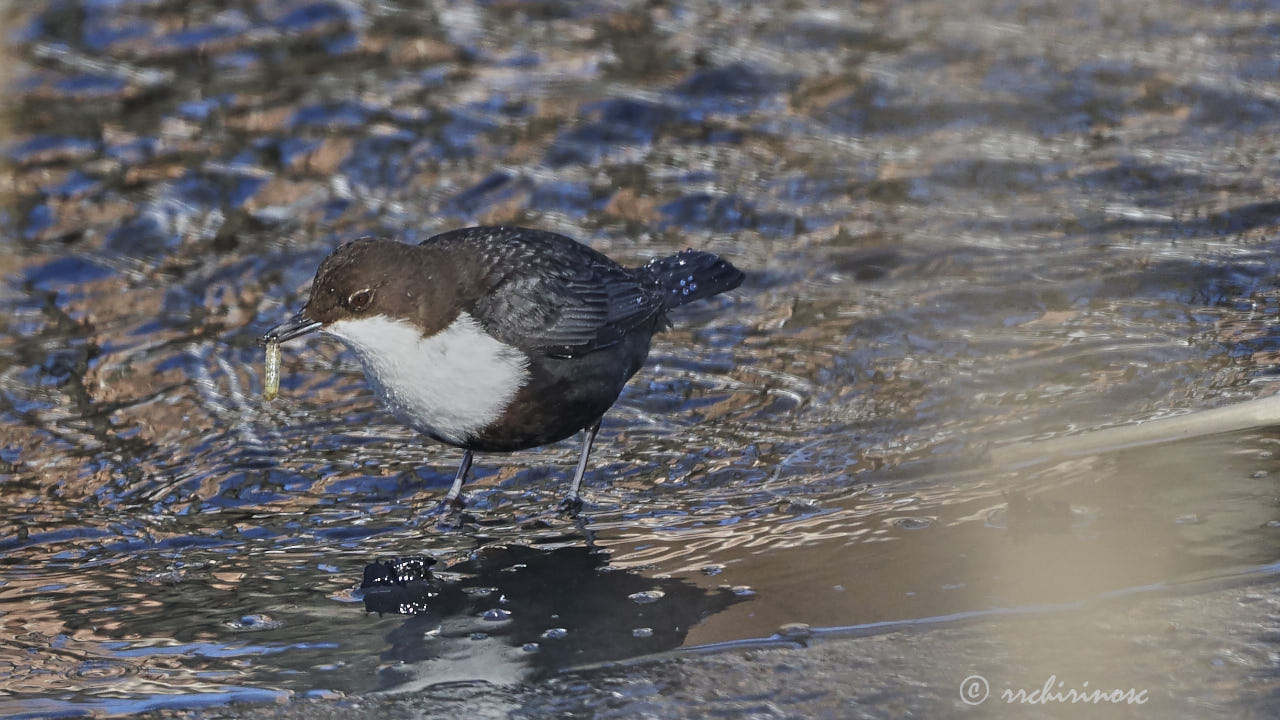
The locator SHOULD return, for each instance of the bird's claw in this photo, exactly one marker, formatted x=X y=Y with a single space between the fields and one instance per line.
x=451 y=514
x=452 y=504
x=571 y=506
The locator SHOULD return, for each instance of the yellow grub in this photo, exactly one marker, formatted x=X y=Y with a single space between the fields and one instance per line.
x=271 y=385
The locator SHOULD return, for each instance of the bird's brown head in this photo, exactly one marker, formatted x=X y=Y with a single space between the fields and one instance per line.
x=351 y=280
x=366 y=278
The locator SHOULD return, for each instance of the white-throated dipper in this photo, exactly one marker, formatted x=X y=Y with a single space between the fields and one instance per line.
x=494 y=339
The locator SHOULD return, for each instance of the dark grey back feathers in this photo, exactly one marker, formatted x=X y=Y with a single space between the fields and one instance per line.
x=543 y=292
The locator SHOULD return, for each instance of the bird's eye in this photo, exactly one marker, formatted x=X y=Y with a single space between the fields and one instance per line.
x=360 y=299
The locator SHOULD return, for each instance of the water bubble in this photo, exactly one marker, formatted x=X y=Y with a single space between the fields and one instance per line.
x=253 y=623
x=801 y=505
x=715 y=569
x=554 y=633
x=531 y=647
x=496 y=615
x=642 y=632
x=646 y=596
x=102 y=670
x=912 y=523
x=479 y=636
x=742 y=590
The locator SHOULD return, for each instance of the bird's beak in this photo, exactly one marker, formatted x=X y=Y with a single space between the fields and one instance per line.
x=296 y=326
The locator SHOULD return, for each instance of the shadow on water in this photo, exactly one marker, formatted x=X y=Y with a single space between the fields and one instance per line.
x=509 y=613
x=959 y=233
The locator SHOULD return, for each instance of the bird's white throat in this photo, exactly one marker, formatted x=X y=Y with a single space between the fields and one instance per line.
x=448 y=385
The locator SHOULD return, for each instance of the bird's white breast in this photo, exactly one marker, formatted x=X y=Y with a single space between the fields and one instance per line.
x=448 y=385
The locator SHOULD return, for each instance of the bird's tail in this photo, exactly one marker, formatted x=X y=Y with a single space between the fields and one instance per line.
x=689 y=275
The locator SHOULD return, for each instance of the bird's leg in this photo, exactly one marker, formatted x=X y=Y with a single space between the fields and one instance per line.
x=453 y=499
x=572 y=502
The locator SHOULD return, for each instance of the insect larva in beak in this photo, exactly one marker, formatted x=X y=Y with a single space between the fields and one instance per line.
x=271 y=384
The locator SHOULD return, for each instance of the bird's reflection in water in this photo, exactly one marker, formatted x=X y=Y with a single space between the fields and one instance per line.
x=509 y=612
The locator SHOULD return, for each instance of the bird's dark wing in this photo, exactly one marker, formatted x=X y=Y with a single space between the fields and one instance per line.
x=565 y=312
x=544 y=292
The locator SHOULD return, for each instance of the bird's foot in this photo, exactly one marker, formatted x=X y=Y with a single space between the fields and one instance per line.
x=571 y=506
x=453 y=504
x=451 y=512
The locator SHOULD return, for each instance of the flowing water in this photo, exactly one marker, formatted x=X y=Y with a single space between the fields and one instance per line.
x=963 y=225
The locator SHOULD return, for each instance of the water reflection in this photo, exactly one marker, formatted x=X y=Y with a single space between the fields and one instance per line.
x=507 y=613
